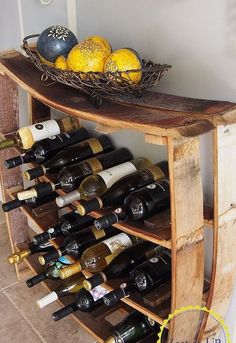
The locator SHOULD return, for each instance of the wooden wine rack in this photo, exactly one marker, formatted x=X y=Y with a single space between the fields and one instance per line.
x=167 y=120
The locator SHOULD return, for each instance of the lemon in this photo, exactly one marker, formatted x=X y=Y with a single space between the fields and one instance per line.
x=87 y=56
x=103 y=41
x=123 y=60
x=60 y=63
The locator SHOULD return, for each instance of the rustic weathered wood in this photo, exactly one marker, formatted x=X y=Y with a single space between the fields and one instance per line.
x=105 y=129
x=187 y=234
x=162 y=122
x=17 y=224
x=8 y=105
x=224 y=253
x=153 y=139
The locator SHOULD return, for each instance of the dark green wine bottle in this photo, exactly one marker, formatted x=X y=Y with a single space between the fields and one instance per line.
x=133 y=328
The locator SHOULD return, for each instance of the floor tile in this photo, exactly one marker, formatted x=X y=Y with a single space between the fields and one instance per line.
x=66 y=331
x=8 y=274
x=13 y=327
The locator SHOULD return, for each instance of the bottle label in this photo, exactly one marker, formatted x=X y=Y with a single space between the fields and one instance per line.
x=154 y=259
x=98 y=233
x=152 y=186
x=156 y=172
x=64 y=260
x=118 y=242
x=111 y=175
x=98 y=292
x=95 y=165
x=91 y=166
x=95 y=145
x=44 y=130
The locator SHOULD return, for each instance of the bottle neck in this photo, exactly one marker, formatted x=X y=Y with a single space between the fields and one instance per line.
x=8 y=143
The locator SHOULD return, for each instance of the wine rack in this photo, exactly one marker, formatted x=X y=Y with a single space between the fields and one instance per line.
x=165 y=120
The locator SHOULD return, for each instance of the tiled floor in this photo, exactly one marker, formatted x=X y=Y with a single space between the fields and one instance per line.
x=20 y=318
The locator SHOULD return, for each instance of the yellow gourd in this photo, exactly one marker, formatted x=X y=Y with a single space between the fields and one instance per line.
x=103 y=41
x=123 y=60
x=87 y=56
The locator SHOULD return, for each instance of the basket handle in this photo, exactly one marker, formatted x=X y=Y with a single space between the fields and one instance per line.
x=25 y=43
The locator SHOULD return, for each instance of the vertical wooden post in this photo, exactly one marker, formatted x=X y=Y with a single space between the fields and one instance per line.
x=223 y=275
x=187 y=235
x=9 y=114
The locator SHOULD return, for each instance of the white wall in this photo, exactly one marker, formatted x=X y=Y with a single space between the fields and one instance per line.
x=197 y=37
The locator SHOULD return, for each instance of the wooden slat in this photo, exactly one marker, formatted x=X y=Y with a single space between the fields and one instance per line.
x=224 y=253
x=17 y=224
x=187 y=234
x=162 y=122
x=9 y=106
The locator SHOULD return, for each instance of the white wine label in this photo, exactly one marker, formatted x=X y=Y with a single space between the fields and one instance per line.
x=111 y=175
x=118 y=242
x=98 y=292
x=44 y=130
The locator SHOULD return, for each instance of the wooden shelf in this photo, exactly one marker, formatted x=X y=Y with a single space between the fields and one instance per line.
x=164 y=119
x=155 y=114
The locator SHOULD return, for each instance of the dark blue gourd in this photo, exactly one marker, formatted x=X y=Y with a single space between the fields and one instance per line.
x=55 y=41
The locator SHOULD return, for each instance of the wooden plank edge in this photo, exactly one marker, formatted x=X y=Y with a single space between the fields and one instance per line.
x=193 y=128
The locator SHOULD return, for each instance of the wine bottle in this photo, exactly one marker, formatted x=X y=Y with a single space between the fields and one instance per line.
x=71 y=155
x=99 y=183
x=27 y=136
x=119 y=190
x=51 y=272
x=98 y=256
x=75 y=244
x=45 y=149
x=133 y=328
x=139 y=204
x=69 y=286
x=19 y=256
x=143 y=278
x=70 y=177
x=123 y=263
x=85 y=301
x=68 y=223
x=32 y=202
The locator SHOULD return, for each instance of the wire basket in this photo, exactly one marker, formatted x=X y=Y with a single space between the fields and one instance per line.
x=96 y=84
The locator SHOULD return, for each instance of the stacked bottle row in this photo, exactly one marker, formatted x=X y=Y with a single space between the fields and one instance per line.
x=90 y=170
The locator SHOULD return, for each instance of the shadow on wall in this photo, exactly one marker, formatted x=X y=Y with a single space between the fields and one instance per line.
x=230 y=28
